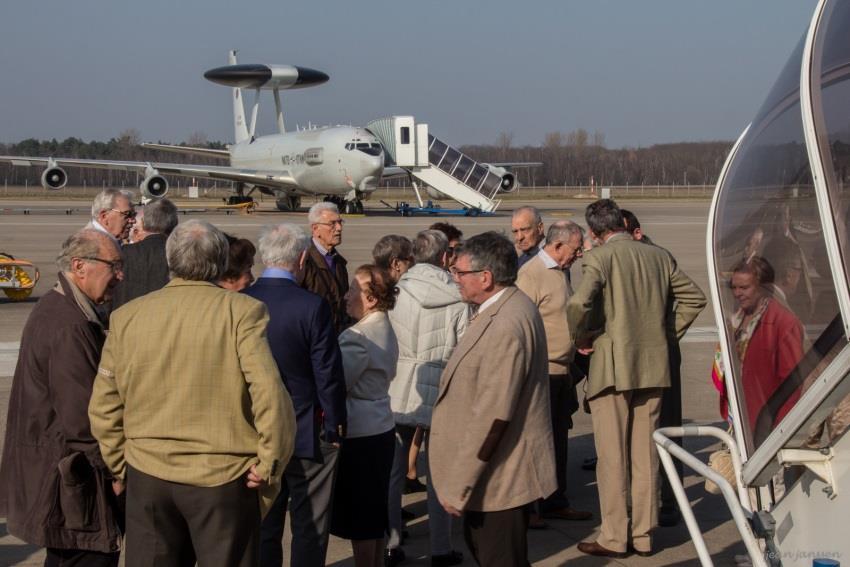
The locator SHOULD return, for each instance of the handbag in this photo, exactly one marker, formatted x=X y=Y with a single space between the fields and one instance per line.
x=720 y=462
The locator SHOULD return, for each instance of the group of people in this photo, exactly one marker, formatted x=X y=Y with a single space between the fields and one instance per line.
x=166 y=403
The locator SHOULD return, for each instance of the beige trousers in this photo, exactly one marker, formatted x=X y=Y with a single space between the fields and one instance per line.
x=623 y=423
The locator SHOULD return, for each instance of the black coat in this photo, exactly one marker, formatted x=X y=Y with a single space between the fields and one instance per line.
x=55 y=489
x=318 y=278
x=145 y=270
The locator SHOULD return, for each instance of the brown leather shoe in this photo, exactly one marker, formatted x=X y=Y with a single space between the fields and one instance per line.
x=568 y=514
x=593 y=548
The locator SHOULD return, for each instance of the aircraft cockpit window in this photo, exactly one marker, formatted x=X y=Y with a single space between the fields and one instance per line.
x=370 y=149
x=781 y=315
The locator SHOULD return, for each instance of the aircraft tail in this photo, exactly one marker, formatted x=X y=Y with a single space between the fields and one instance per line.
x=240 y=126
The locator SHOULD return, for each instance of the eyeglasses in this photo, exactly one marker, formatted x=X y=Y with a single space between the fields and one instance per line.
x=116 y=265
x=460 y=273
x=129 y=214
x=339 y=222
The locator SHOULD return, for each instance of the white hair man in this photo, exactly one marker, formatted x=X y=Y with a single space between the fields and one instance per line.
x=325 y=271
x=50 y=455
x=543 y=279
x=194 y=430
x=306 y=350
x=112 y=213
x=527 y=230
x=428 y=319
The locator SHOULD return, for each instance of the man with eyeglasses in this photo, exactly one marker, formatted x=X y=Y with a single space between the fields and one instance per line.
x=543 y=279
x=112 y=213
x=491 y=450
x=55 y=489
x=325 y=271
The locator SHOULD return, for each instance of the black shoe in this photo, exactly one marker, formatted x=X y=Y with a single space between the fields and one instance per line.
x=589 y=464
x=407 y=515
x=412 y=485
x=451 y=558
x=394 y=556
x=668 y=516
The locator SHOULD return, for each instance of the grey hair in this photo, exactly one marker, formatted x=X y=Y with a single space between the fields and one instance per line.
x=528 y=209
x=563 y=231
x=604 y=216
x=159 y=216
x=493 y=252
x=429 y=247
x=85 y=243
x=315 y=213
x=389 y=247
x=282 y=244
x=197 y=251
x=105 y=200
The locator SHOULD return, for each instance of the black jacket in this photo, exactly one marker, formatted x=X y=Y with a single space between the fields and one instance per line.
x=145 y=270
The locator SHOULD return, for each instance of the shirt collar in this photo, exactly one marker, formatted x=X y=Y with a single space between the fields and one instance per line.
x=547 y=259
x=493 y=299
x=277 y=273
x=99 y=227
x=324 y=251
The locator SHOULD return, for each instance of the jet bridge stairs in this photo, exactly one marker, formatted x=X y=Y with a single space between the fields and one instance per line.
x=435 y=164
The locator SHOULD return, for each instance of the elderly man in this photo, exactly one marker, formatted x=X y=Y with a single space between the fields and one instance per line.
x=188 y=407
x=145 y=267
x=622 y=312
x=325 y=272
x=527 y=229
x=55 y=489
x=491 y=451
x=112 y=213
x=307 y=354
x=544 y=281
x=428 y=319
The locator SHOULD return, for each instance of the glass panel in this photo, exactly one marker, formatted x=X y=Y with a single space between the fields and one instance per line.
x=405 y=134
x=491 y=185
x=478 y=173
x=435 y=154
x=452 y=155
x=776 y=286
x=462 y=169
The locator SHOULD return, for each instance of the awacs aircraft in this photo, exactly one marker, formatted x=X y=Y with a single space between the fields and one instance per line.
x=342 y=163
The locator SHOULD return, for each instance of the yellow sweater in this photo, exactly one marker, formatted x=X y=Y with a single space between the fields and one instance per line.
x=549 y=289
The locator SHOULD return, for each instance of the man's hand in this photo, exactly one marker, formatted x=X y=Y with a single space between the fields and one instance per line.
x=585 y=351
x=254 y=480
x=452 y=511
x=118 y=487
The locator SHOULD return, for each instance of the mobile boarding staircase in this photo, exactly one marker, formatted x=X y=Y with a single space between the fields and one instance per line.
x=436 y=164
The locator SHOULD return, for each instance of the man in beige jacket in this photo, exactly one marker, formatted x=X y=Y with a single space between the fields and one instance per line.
x=628 y=295
x=490 y=447
x=189 y=408
x=544 y=280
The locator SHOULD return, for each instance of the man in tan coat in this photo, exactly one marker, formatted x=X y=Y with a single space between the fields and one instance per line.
x=544 y=280
x=188 y=407
x=490 y=447
x=628 y=295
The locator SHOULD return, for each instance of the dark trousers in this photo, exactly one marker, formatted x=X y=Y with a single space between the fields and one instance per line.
x=80 y=558
x=308 y=490
x=171 y=524
x=563 y=403
x=671 y=416
x=498 y=539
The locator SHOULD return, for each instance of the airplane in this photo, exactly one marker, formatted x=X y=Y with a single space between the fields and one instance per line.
x=342 y=163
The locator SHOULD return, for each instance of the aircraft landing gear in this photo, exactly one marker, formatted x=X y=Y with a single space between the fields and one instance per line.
x=353 y=207
x=240 y=198
x=288 y=204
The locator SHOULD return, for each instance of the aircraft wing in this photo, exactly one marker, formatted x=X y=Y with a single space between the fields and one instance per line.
x=394 y=171
x=279 y=178
x=510 y=164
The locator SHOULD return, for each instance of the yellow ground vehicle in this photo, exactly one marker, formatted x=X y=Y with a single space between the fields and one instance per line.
x=17 y=277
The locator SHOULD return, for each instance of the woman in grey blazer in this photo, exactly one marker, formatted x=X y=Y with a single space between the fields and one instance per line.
x=369 y=354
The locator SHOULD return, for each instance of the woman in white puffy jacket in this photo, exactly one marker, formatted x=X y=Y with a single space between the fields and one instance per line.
x=428 y=318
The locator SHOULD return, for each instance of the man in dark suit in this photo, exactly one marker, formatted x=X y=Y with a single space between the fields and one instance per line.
x=325 y=272
x=145 y=268
x=304 y=345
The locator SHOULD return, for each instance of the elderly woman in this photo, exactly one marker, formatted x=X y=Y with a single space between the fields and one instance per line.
x=369 y=353
x=394 y=254
x=240 y=261
x=769 y=342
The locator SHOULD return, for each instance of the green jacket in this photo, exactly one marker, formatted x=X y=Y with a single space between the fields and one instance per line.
x=629 y=295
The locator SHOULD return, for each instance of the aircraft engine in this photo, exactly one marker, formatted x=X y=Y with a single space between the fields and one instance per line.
x=154 y=186
x=509 y=182
x=54 y=178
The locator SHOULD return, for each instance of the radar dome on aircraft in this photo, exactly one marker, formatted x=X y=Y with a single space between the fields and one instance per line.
x=254 y=76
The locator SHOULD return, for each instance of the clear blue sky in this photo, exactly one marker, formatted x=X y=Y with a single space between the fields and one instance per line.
x=642 y=72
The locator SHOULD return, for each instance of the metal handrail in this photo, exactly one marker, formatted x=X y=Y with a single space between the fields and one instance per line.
x=739 y=505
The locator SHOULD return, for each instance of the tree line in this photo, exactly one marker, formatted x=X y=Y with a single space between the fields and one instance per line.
x=576 y=158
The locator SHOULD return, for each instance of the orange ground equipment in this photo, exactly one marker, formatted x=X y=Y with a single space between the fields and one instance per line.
x=17 y=277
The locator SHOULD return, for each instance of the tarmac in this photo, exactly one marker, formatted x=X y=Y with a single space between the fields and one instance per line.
x=678 y=225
